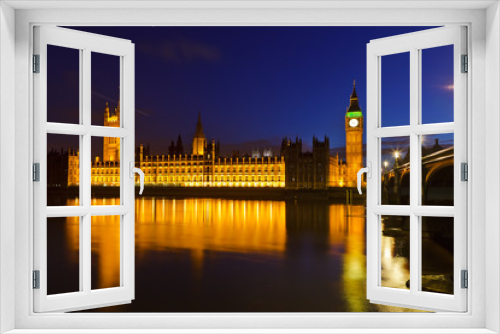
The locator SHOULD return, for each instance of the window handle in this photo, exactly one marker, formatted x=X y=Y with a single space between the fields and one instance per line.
x=368 y=171
x=134 y=170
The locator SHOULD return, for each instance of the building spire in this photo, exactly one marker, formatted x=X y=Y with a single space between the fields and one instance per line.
x=354 y=104
x=199 y=128
x=106 y=114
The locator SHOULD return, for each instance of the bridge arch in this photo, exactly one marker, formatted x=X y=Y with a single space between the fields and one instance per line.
x=438 y=183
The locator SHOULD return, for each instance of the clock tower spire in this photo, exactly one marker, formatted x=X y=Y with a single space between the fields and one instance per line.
x=354 y=138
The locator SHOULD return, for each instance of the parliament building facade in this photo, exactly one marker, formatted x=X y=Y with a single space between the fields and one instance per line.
x=205 y=167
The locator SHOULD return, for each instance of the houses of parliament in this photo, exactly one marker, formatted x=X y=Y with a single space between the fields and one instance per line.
x=205 y=167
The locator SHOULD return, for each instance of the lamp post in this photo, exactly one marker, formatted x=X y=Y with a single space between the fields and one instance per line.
x=386 y=163
x=396 y=177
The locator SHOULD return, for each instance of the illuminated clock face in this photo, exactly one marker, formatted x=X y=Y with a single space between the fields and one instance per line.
x=353 y=123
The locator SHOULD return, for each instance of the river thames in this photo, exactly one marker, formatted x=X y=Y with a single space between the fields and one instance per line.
x=222 y=255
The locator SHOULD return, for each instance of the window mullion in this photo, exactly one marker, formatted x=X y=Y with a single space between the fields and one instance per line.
x=414 y=170
x=86 y=171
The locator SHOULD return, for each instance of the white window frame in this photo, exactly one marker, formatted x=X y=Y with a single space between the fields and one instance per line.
x=483 y=122
x=415 y=43
x=86 y=44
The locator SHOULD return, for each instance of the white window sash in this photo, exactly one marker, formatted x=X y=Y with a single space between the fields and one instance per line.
x=86 y=43
x=414 y=43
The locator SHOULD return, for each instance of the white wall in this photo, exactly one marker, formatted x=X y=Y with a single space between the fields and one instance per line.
x=7 y=158
x=492 y=164
x=485 y=115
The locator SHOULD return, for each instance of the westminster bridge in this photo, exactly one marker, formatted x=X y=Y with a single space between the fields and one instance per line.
x=437 y=180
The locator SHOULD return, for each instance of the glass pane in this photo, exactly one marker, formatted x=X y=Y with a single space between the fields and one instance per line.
x=437 y=169
x=395 y=99
x=437 y=254
x=105 y=233
x=63 y=85
x=395 y=171
x=105 y=90
x=63 y=255
x=437 y=84
x=105 y=171
x=395 y=252
x=63 y=170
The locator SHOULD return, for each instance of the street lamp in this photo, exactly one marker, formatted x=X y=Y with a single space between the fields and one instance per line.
x=396 y=156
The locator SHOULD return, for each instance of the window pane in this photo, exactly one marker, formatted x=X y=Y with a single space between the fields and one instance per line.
x=63 y=255
x=63 y=85
x=395 y=99
x=105 y=170
x=437 y=254
x=395 y=171
x=105 y=231
x=437 y=84
x=437 y=170
x=63 y=170
x=105 y=90
x=395 y=252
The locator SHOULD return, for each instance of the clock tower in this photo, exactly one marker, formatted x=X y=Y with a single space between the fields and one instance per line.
x=353 y=138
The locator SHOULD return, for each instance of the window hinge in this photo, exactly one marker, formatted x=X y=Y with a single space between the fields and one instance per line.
x=36 y=172
x=465 y=64
x=464 y=171
x=36 y=63
x=36 y=279
x=465 y=279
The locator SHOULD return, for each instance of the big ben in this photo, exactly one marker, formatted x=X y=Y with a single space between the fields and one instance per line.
x=354 y=138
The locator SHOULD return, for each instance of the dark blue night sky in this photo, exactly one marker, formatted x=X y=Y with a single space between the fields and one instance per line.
x=252 y=83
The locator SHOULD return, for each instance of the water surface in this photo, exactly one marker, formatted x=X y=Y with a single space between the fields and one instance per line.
x=219 y=255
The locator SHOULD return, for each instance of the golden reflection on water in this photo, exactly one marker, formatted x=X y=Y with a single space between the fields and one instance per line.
x=250 y=227
x=354 y=259
x=105 y=234
x=211 y=224
x=396 y=268
x=198 y=225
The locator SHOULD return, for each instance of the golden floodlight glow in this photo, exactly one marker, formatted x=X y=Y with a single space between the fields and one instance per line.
x=205 y=168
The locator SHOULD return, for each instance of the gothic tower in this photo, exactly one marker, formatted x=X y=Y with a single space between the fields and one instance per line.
x=199 y=140
x=111 y=146
x=354 y=138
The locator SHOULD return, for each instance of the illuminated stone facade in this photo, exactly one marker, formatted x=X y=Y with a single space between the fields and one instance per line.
x=316 y=169
x=354 y=124
x=206 y=168
x=111 y=146
x=209 y=171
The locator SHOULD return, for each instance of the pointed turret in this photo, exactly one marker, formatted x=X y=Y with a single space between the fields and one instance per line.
x=354 y=103
x=199 y=128
x=199 y=140
x=106 y=114
x=179 y=147
x=117 y=110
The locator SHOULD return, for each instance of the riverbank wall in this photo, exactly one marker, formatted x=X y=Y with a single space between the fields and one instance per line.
x=337 y=195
